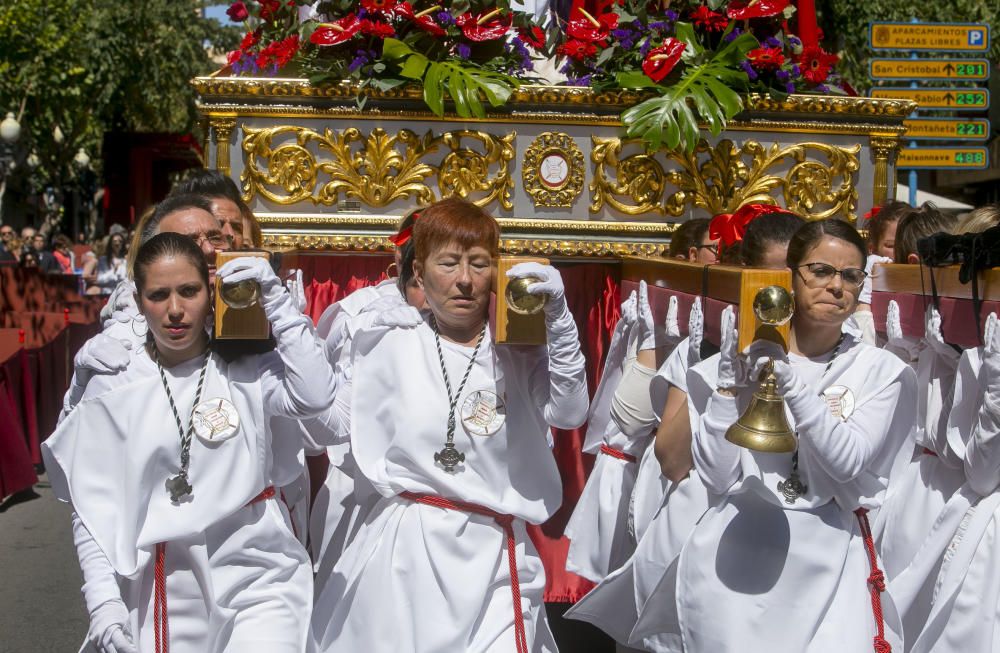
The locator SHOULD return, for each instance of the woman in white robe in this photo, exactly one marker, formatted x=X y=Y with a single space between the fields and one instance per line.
x=785 y=560
x=443 y=561
x=171 y=466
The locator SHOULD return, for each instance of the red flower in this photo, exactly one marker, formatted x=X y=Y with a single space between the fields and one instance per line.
x=268 y=8
x=534 y=37
x=250 y=40
x=584 y=27
x=233 y=57
x=487 y=26
x=383 y=7
x=237 y=12
x=377 y=29
x=816 y=63
x=739 y=10
x=578 y=50
x=660 y=61
x=422 y=21
x=766 y=58
x=284 y=50
x=709 y=20
x=336 y=32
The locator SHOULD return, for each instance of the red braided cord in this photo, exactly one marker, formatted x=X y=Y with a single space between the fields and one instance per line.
x=928 y=452
x=506 y=522
x=160 y=631
x=616 y=453
x=876 y=582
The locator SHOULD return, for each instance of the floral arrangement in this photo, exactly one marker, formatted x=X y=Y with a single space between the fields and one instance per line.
x=695 y=59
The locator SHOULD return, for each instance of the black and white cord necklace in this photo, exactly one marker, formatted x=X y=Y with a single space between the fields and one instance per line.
x=179 y=486
x=449 y=457
x=794 y=488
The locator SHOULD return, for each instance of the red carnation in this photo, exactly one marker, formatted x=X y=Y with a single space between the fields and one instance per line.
x=336 y=32
x=660 y=61
x=488 y=26
x=268 y=8
x=422 y=20
x=766 y=58
x=377 y=29
x=709 y=20
x=584 y=27
x=534 y=37
x=578 y=50
x=237 y=12
x=816 y=63
x=383 y=7
x=739 y=10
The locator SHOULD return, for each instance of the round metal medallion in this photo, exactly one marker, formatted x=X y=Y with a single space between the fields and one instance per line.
x=483 y=413
x=215 y=420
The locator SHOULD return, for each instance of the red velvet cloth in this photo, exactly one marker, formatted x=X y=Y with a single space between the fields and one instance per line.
x=660 y=297
x=329 y=278
x=958 y=320
x=17 y=471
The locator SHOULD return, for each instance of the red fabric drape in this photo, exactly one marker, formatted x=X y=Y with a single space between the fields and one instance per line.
x=958 y=319
x=17 y=471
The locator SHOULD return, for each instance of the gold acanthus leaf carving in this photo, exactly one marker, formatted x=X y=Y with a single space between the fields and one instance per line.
x=377 y=169
x=819 y=181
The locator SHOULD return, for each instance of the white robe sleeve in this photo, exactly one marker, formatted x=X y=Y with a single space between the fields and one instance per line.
x=717 y=459
x=566 y=401
x=982 y=454
x=100 y=584
x=299 y=381
x=632 y=406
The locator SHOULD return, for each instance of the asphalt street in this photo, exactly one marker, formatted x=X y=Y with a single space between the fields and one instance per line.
x=41 y=609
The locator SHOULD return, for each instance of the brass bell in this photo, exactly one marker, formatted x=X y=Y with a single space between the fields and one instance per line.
x=763 y=426
x=242 y=294
x=520 y=300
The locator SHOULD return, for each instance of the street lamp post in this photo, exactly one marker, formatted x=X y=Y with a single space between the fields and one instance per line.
x=10 y=132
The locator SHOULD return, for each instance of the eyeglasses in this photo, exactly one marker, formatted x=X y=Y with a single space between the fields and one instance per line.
x=712 y=247
x=5 y=233
x=820 y=274
x=215 y=239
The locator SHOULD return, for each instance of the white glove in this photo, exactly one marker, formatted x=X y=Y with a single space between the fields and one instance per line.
x=696 y=331
x=906 y=349
x=120 y=299
x=670 y=326
x=550 y=283
x=401 y=317
x=101 y=354
x=935 y=340
x=865 y=297
x=732 y=365
x=991 y=358
x=108 y=630
x=630 y=310
x=277 y=303
x=649 y=333
x=296 y=289
x=759 y=354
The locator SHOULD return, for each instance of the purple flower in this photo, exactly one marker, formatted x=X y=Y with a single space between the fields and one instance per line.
x=359 y=60
x=782 y=75
x=771 y=42
x=823 y=88
x=796 y=71
x=794 y=40
x=583 y=80
x=445 y=18
x=789 y=87
x=748 y=69
x=463 y=51
x=362 y=13
x=658 y=25
x=672 y=15
x=517 y=46
x=621 y=33
x=645 y=48
x=729 y=38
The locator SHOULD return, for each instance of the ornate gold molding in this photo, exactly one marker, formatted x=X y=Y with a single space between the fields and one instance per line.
x=561 y=186
x=291 y=89
x=376 y=169
x=723 y=177
x=222 y=132
x=535 y=247
x=884 y=149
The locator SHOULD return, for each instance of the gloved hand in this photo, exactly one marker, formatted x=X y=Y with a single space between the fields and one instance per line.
x=108 y=630
x=671 y=328
x=991 y=359
x=296 y=289
x=274 y=298
x=550 y=283
x=122 y=298
x=935 y=340
x=865 y=297
x=630 y=310
x=395 y=314
x=101 y=354
x=732 y=365
x=696 y=331
x=650 y=335
x=897 y=343
x=759 y=354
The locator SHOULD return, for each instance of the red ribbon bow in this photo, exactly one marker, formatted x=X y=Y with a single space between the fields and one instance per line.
x=875 y=210
x=728 y=228
x=404 y=234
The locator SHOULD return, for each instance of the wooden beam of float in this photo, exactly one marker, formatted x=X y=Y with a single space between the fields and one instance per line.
x=719 y=285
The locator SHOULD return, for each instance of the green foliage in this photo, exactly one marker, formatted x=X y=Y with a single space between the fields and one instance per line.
x=90 y=66
x=846 y=23
x=709 y=90
x=464 y=84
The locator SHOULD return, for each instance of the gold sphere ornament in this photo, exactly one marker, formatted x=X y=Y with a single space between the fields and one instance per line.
x=242 y=294
x=520 y=300
x=773 y=305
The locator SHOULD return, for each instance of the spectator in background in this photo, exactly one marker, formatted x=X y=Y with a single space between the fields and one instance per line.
x=915 y=224
x=28 y=238
x=29 y=260
x=112 y=267
x=881 y=225
x=46 y=261
x=62 y=252
x=978 y=220
x=80 y=249
x=7 y=255
x=690 y=242
x=238 y=221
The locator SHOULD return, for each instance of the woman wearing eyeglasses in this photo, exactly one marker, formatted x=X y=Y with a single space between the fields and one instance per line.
x=785 y=561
